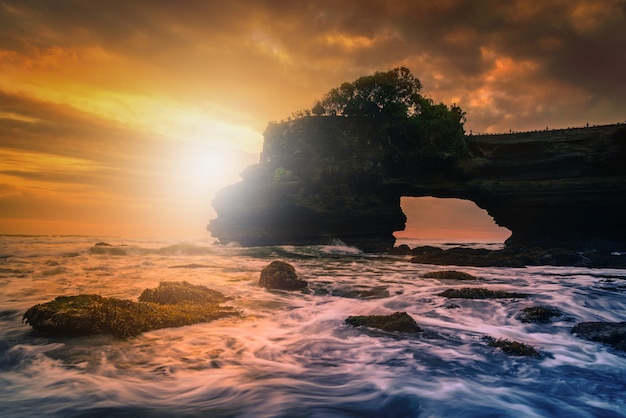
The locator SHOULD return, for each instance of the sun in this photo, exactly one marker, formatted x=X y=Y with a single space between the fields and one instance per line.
x=202 y=169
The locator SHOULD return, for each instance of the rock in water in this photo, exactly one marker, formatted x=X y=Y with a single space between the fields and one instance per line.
x=612 y=333
x=396 y=322
x=178 y=292
x=282 y=276
x=172 y=305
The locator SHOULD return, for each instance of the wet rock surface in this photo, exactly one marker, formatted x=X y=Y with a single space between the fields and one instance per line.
x=538 y=314
x=516 y=257
x=611 y=333
x=172 y=304
x=396 y=322
x=281 y=276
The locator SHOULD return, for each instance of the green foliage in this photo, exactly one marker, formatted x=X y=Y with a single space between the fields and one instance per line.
x=394 y=94
x=282 y=174
x=412 y=132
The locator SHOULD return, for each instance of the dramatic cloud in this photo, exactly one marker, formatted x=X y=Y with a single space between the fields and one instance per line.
x=117 y=96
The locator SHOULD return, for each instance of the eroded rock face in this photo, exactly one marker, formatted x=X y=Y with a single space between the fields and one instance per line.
x=324 y=178
x=281 y=276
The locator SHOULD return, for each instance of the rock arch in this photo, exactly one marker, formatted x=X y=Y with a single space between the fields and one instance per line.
x=321 y=178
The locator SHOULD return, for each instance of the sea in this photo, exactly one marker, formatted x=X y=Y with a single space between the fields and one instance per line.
x=291 y=354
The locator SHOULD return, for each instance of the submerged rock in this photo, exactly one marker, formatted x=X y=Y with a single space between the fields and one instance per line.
x=480 y=293
x=396 y=322
x=93 y=314
x=538 y=314
x=107 y=249
x=451 y=275
x=513 y=348
x=359 y=292
x=611 y=333
x=281 y=276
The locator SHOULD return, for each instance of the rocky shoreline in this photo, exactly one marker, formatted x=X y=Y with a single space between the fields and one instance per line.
x=511 y=257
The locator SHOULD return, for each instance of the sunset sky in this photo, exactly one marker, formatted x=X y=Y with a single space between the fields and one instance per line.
x=124 y=117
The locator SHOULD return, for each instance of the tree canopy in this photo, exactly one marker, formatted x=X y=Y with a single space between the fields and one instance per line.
x=410 y=127
x=394 y=93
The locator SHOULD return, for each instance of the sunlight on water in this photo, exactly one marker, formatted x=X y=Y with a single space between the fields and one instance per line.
x=291 y=354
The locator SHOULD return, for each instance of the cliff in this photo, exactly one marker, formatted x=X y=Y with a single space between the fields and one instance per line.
x=326 y=178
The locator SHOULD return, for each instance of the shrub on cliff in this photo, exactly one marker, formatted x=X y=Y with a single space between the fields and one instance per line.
x=409 y=126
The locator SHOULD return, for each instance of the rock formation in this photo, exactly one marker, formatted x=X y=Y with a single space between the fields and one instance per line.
x=326 y=178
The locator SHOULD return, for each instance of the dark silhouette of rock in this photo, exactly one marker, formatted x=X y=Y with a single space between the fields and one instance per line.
x=611 y=333
x=281 y=276
x=513 y=256
x=552 y=189
x=396 y=322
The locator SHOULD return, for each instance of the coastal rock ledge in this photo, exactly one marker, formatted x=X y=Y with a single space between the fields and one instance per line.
x=323 y=178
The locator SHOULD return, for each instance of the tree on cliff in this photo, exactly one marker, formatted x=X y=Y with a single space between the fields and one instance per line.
x=410 y=127
x=395 y=93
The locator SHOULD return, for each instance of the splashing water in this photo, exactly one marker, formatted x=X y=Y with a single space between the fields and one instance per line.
x=291 y=354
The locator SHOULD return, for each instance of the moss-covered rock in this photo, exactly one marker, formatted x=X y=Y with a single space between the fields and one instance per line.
x=480 y=293
x=450 y=275
x=282 y=276
x=93 y=314
x=396 y=322
x=176 y=292
x=514 y=348
x=538 y=314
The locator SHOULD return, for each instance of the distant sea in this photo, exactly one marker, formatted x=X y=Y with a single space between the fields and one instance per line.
x=291 y=354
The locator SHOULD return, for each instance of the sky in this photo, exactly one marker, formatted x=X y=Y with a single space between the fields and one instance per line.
x=124 y=117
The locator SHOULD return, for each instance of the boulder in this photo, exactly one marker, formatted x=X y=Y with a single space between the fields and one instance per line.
x=538 y=314
x=611 y=333
x=281 y=276
x=396 y=322
x=93 y=314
